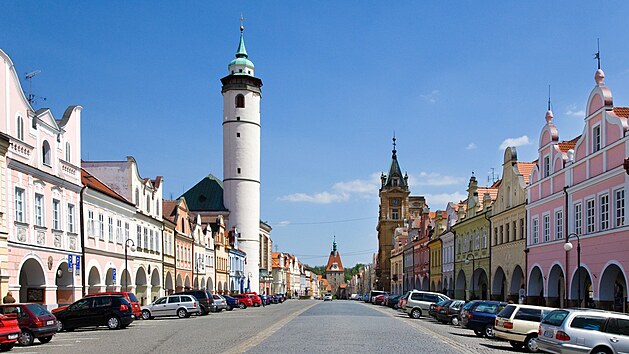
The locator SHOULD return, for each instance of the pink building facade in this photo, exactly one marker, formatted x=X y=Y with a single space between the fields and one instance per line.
x=577 y=195
x=42 y=189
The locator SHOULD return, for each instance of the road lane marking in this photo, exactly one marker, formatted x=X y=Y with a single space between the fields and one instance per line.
x=463 y=348
x=262 y=335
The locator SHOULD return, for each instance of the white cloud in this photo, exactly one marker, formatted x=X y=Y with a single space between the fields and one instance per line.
x=433 y=179
x=523 y=140
x=431 y=97
x=470 y=146
x=357 y=186
x=317 y=198
x=441 y=200
x=573 y=112
x=341 y=192
x=282 y=223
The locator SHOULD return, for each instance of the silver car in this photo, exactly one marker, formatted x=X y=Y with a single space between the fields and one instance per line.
x=584 y=331
x=175 y=305
x=220 y=303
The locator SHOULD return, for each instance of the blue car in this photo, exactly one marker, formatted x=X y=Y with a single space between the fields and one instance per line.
x=231 y=302
x=480 y=316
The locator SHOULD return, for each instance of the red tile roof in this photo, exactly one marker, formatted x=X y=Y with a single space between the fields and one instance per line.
x=168 y=209
x=525 y=169
x=622 y=111
x=94 y=183
x=335 y=257
x=564 y=146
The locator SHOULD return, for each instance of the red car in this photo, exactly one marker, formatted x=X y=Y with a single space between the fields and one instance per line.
x=34 y=321
x=9 y=331
x=257 y=301
x=243 y=300
x=378 y=300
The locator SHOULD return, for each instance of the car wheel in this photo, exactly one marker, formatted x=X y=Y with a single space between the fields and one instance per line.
x=45 y=339
x=488 y=331
x=242 y=306
x=6 y=347
x=230 y=307
x=416 y=313
x=113 y=322
x=182 y=313
x=601 y=351
x=60 y=326
x=146 y=315
x=454 y=321
x=530 y=343
x=26 y=338
x=219 y=310
x=203 y=312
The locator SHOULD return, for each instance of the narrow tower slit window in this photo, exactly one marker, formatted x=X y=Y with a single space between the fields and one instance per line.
x=240 y=101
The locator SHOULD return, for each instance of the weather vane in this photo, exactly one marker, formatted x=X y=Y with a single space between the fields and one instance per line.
x=242 y=22
x=597 y=55
x=549 y=97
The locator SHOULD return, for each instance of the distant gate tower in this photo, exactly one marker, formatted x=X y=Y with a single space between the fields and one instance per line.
x=241 y=157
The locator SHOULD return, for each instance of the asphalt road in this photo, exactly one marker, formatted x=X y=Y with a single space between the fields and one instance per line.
x=297 y=326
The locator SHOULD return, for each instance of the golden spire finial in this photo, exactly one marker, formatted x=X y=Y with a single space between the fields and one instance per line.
x=242 y=22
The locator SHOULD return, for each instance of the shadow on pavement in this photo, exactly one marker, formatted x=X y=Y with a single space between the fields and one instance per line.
x=507 y=348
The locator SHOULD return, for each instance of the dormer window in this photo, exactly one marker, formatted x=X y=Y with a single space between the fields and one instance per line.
x=240 y=101
x=20 y=128
x=68 y=152
x=46 y=158
x=148 y=204
x=546 y=166
x=596 y=138
x=137 y=197
x=394 y=182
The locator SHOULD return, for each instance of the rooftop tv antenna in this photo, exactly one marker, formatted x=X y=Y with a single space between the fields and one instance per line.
x=32 y=98
x=492 y=177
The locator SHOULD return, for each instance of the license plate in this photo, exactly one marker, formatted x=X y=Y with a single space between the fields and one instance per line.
x=12 y=336
x=51 y=322
x=548 y=334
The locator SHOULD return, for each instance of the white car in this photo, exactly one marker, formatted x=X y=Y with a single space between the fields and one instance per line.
x=175 y=305
x=419 y=302
x=327 y=297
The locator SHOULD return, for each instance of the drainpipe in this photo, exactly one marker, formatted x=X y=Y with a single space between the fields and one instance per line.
x=81 y=222
x=489 y=244
x=566 y=232
x=163 y=273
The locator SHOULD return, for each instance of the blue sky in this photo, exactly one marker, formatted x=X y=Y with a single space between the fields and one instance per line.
x=454 y=80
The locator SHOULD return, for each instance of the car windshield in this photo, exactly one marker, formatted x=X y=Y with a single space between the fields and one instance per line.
x=507 y=311
x=132 y=297
x=555 y=318
x=38 y=310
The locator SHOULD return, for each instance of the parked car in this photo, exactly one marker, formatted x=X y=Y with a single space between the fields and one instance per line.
x=220 y=303
x=378 y=300
x=205 y=298
x=244 y=301
x=450 y=313
x=133 y=300
x=34 y=320
x=402 y=301
x=113 y=311
x=393 y=301
x=418 y=302
x=9 y=331
x=519 y=324
x=584 y=331
x=232 y=303
x=255 y=299
x=481 y=316
x=181 y=306
x=327 y=297
x=435 y=307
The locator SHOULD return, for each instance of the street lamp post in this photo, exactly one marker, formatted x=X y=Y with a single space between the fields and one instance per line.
x=196 y=268
x=126 y=245
x=568 y=246
x=467 y=261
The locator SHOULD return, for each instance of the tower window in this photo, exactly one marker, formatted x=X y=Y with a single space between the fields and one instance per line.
x=239 y=70
x=238 y=170
x=237 y=118
x=238 y=135
x=240 y=101
x=46 y=153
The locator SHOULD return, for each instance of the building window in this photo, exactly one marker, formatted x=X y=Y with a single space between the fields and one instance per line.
x=471 y=242
x=20 y=128
x=590 y=216
x=559 y=225
x=151 y=241
x=126 y=231
x=119 y=231
x=139 y=237
x=395 y=214
x=110 y=229
x=620 y=208
x=137 y=197
x=55 y=215
x=507 y=234
x=90 y=223
x=68 y=152
x=157 y=207
x=238 y=135
x=19 y=205
x=46 y=158
x=70 y=218
x=484 y=238
x=39 y=210
x=501 y=239
x=546 y=227
x=477 y=240
x=546 y=166
x=240 y=101
x=534 y=231
x=101 y=226
x=146 y=238
x=596 y=138
x=238 y=170
x=604 y=205
x=578 y=217
x=148 y=203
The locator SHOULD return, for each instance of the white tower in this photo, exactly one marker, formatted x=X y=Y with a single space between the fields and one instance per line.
x=241 y=157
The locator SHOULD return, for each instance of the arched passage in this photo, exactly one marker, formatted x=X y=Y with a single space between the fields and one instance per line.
x=110 y=284
x=536 y=287
x=156 y=285
x=498 y=286
x=439 y=288
x=187 y=284
x=612 y=289
x=179 y=283
x=480 y=281
x=93 y=281
x=202 y=282
x=32 y=282
x=581 y=288
x=210 y=284
x=425 y=283
x=140 y=285
x=460 y=288
x=556 y=287
x=169 y=284
x=517 y=282
x=125 y=280
x=63 y=280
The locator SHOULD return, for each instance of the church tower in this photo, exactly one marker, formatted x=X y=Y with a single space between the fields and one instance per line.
x=241 y=157
x=393 y=210
x=335 y=273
